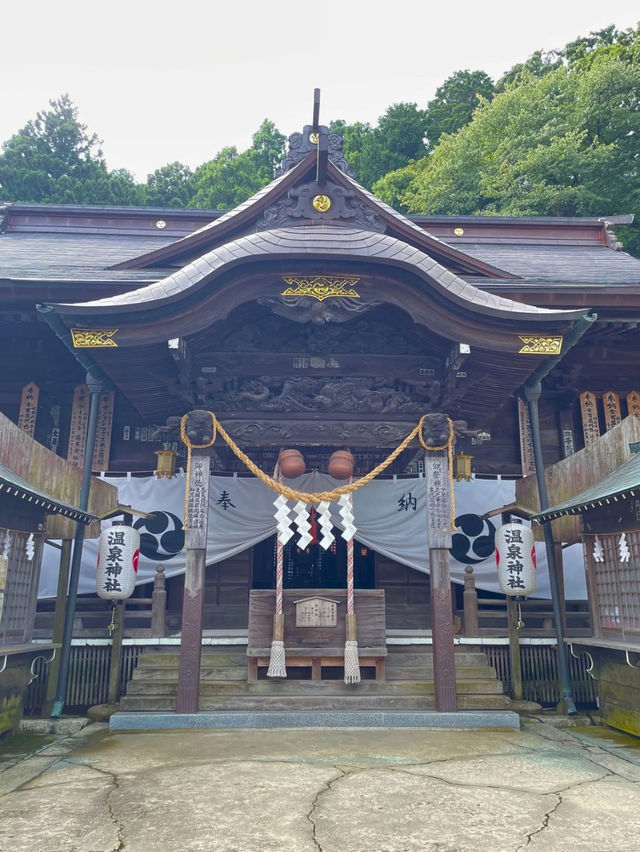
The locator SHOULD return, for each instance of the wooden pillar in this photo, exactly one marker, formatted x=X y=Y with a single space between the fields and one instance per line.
x=159 y=604
x=470 y=603
x=560 y=572
x=115 y=664
x=193 y=601
x=514 y=648
x=436 y=465
x=58 y=622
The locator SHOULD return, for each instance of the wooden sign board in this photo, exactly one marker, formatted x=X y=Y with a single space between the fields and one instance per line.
x=436 y=467
x=633 y=403
x=29 y=408
x=526 y=442
x=316 y=612
x=78 y=429
x=198 y=502
x=590 y=423
x=103 y=432
x=611 y=402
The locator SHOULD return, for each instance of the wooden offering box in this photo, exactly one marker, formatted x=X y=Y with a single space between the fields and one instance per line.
x=310 y=640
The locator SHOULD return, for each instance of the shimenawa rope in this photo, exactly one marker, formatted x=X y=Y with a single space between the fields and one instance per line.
x=315 y=496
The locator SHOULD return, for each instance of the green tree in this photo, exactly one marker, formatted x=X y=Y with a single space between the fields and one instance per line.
x=454 y=103
x=55 y=159
x=624 y=44
x=232 y=177
x=537 y=65
x=565 y=144
x=353 y=136
x=169 y=186
x=397 y=139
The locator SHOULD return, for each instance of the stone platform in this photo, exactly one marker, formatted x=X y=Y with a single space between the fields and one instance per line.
x=470 y=719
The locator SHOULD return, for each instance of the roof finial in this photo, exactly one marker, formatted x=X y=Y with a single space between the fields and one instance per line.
x=316 y=110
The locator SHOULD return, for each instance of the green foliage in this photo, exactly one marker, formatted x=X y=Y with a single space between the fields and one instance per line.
x=232 y=177
x=454 y=103
x=55 y=160
x=169 y=186
x=353 y=136
x=566 y=144
x=537 y=65
x=397 y=139
x=392 y=188
x=624 y=44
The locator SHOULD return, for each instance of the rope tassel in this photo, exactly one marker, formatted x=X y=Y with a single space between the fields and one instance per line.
x=351 y=657
x=277 y=659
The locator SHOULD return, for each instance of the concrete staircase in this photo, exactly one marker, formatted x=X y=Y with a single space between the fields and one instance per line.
x=224 y=686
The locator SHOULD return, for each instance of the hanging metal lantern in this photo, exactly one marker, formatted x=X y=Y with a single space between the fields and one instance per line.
x=166 y=463
x=462 y=467
x=118 y=554
x=516 y=559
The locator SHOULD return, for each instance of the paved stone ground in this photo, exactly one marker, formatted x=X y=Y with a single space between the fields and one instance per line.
x=342 y=790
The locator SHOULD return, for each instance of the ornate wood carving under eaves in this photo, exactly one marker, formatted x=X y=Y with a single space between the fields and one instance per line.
x=324 y=394
x=297 y=208
x=308 y=309
x=301 y=144
x=270 y=333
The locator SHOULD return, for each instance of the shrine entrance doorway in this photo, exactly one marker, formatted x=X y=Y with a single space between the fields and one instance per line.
x=313 y=567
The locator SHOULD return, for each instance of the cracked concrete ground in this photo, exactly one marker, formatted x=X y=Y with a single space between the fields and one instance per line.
x=339 y=790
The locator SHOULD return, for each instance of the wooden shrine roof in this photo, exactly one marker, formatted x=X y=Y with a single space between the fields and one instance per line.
x=317 y=242
x=61 y=244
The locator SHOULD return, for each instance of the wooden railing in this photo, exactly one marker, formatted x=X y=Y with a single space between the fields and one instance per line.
x=144 y=617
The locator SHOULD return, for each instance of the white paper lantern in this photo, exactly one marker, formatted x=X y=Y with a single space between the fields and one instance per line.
x=118 y=554
x=516 y=559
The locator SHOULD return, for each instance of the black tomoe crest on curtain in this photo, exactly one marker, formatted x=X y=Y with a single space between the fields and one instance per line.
x=161 y=536
x=474 y=539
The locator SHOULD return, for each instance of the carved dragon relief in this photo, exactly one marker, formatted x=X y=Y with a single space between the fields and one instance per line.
x=328 y=394
x=304 y=309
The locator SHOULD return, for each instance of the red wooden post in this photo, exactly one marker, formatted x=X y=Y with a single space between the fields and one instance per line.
x=193 y=601
x=439 y=541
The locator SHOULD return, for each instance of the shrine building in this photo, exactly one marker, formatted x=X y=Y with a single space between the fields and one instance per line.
x=315 y=318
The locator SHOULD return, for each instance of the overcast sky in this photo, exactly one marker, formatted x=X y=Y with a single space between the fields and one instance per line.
x=160 y=82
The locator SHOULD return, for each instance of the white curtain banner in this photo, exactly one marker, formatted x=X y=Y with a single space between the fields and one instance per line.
x=389 y=516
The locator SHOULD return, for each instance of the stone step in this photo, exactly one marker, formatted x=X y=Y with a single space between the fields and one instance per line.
x=315 y=702
x=492 y=719
x=308 y=687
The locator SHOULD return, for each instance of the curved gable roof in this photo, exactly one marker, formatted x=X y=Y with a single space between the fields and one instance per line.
x=311 y=242
x=237 y=221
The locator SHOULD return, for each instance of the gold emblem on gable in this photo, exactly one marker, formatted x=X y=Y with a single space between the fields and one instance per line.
x=93 y=338
x=540 y=345
x=321 y=287
x=321 y=203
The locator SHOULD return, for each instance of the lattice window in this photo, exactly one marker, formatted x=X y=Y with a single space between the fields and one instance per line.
x=616 y=584
x=21 y=585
